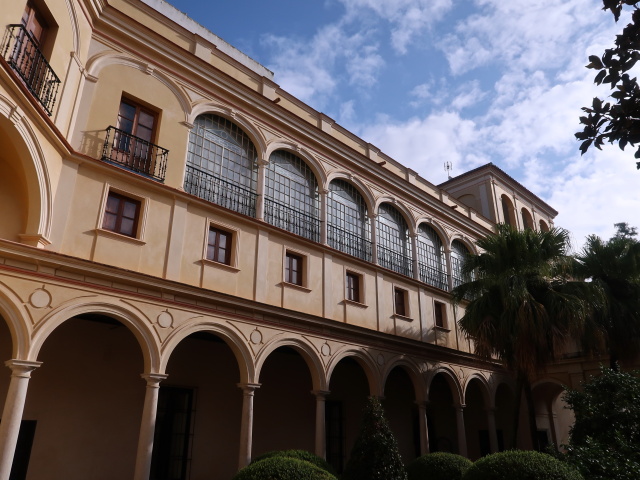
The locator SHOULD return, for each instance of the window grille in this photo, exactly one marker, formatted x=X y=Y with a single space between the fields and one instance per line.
x=347 y=221
x=394 y=245
x=458 y=253
x=291 y=195
x=431 y=259
x=221 y=164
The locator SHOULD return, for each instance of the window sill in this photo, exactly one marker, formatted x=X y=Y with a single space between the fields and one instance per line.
x=355 y=304
x=224 y=266
x=442 y=329
x=101 y=232
x=402 y=317
x=295 y=287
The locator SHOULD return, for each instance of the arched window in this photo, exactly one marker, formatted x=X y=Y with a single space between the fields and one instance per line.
x=221 y=164
x=431 y=259
x=527 y=219
x=458 y=252
x=508 y=211
x=543 y=226
x=291 y=195
x=347 y=221
x=394 y=245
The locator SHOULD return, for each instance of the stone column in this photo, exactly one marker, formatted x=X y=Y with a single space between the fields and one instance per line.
x=246 y=427
x=424 y=430
x=374 y=238
x=447 y=258
x=414 y=255
x=12 y=413
x=462 y=435
x=493 y=434
x=323 y=216
x=147 y=425
x=321 y=433
x=260 y=189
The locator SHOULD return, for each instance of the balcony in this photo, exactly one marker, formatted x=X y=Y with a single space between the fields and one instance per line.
x=22 y=54
x=215 y=190
x=349 y=243
x=135 y=154
x=291 y=220
x=434 y=277
x=395 y=261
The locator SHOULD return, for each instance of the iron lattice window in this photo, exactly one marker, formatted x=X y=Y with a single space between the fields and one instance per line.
x=431 y=259
x=348 y=224
x=458 y=254
x=291 y=195
x=394 y=246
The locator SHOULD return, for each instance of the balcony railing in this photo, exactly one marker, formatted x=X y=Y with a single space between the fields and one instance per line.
x=135 y=153
x=395 y=261
x=433 y=276
x=349 y=243
x=215 y=190
x=291 y=220
x=22 y=54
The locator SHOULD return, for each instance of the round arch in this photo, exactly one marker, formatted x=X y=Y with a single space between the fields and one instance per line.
x=16 y=318
x=229 y=336
x=414 y=374
x=130 y=318
x=402 y=208
x=485 y=389
x=464 y=240
x=444 y=238
x=358 y=184
x=30 y=157
x=304 y=154
x=451 y=379
x=365 y=361
x=308 y=353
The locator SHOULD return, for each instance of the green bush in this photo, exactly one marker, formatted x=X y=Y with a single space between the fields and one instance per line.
x=520 y=465
x=300 y=455
x=283 y=468
x=438 y=466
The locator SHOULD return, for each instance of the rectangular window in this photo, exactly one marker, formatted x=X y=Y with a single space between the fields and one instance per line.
x=219 y=246
x=293 y=269
x=440 y=313
x=400 y=297
x=121 y=215
x=352 y=281
x=132 y=142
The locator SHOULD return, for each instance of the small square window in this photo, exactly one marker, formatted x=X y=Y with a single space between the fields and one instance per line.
x=219 y=246
x=400 y=301
x=352 y=286
x=121 y=215
x=440 y=313
x=293 y=269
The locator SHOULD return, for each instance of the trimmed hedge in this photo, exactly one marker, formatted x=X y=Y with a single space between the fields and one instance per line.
x=438 y=466
x=521 y=465
x=300 y=455
x=283 y=468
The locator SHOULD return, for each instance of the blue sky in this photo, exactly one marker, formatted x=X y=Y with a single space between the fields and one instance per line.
x=465 y=81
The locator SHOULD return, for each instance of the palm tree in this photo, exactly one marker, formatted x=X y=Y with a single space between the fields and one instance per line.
x=523 y=308
x=614 y=267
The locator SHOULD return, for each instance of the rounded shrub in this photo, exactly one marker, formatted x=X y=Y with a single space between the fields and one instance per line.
x=438 y=466
x=523 y=465
x=300 y=455
x=283 y=468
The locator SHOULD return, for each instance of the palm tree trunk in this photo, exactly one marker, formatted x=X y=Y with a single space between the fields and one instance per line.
x=516 y=412
x=533 y=427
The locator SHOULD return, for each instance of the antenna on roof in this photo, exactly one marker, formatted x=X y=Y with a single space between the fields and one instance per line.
x=447 y=168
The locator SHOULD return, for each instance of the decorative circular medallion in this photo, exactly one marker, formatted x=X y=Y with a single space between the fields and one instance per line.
x=325 y=349
x=256 y=337
x=380 y=359
x=40 y=298
x=165 y=319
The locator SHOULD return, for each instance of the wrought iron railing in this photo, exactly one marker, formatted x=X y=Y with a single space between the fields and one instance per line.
x=216 y=190
x=294 y=221
x=135 y=153
x=433 y=276
x=395 y=261
x=349 y=243
x=21 y=52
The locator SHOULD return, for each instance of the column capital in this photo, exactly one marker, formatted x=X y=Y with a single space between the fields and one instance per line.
x=22 y=368
x=153 y=379
x=248 y=388
x=320 y=393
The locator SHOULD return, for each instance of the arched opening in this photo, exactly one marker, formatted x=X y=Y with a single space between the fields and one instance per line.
x=349 y=389
x=402 y=412
x=527 y=219
x=505 y=410
x=347 y=220
x=284 y=407
x=441 y=417
x=291 y=195
x=475 y=421
x=221 y=164
x=508 y=211
x=86 y=401
x=198 y=421
x=553 y=429
x=470 y=201
x=543 y=226
x=394 y=244
x=459 y=252
x=431 y=258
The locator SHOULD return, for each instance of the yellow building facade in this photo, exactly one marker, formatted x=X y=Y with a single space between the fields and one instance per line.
x=196 y=267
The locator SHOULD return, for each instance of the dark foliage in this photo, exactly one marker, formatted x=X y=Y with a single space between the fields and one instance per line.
x=438 y=466
x=283 y=468
x=300 y=455
x=520 y=465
